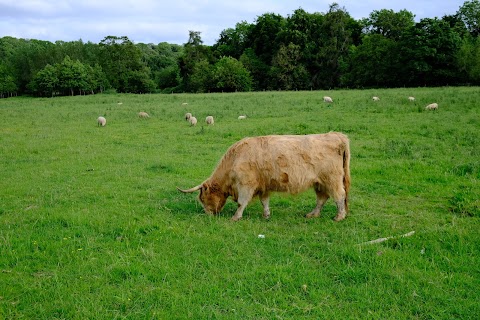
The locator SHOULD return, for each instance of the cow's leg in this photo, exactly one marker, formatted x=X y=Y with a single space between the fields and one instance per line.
x=265 y=199
x=322 y=197
x=340 y=197
x=244 y=197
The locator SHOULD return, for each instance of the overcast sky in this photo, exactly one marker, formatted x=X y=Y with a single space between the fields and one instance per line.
x=151 y=21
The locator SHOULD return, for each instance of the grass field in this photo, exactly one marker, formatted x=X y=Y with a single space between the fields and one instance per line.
x=92 y=226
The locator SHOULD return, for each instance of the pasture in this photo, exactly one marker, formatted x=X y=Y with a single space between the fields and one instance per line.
x=92 y=226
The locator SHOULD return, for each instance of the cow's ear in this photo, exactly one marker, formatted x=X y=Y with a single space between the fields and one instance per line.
x=205 y=187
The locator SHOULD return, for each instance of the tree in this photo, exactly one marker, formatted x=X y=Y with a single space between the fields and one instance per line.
x=201 y=79
x=388 y=23
x=428 y=54
x=120 y=60
x=287 y=71
x=72 y=76
x=46 y=82
x=374 y=63
x=335 y=47
x=232 y=42
x=194 y=53
x=168 y=78
x=469 y=13
x=468 y=59
x=257 y=69
x=230 y=75
x=8 y=87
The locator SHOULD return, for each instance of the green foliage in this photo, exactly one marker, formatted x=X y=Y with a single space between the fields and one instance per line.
x=469 y=13
x=388 y=23
x=230 y=75
x=123 y=65
x=68 y=78
x=301 y=51
x=8 y=87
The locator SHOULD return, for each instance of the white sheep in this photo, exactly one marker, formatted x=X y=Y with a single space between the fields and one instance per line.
x=188 y=115
x=101 y=121
x=375 y=98
x=184 y=104
x=432 y=106
x=193 y=121
x=327 y=99
x=242 y=117
x=209 y=120
x=143 y=115
x=411 y=98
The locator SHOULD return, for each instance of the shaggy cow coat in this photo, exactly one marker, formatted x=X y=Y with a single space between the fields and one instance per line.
x=258 y=166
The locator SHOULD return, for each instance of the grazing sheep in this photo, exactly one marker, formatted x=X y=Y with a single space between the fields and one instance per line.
x=432 y=106
x=209 y=120
x=242 y=117
x=120 y=103
x=184 y=104
x=188 y=115
x=101 y=121
x=375 y=98
x=327 y=99
x=193 y=121
x=411 y=98
x=143 y=115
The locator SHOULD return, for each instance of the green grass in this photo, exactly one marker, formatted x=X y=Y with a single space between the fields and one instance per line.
x=92 y=226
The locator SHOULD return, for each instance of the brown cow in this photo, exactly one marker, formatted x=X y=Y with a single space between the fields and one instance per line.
x=285 y=163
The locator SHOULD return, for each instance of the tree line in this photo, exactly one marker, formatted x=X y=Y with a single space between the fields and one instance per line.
x=303 y=51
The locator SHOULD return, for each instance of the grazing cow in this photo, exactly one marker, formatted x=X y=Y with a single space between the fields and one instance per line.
x=327 y=99
x=375 y=98
x=242 y=117
x=432 y=106
x=411 y=99
x=258 y=166
x=143 y=115
x=209 y=120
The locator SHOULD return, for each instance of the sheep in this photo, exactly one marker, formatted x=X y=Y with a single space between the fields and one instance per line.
x=411 y=98
x=184 y=104
x=101 y=121
x=143 y=115
x=209 y=120
x=375 y=98
x=432 y=106
x=327 y=99
x=242 y=117
x=188 y=115
x=192 y=120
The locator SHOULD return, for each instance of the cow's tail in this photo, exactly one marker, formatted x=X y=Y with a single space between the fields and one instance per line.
x=346 y=170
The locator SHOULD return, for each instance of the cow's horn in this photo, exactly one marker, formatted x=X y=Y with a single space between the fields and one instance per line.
x=191 y=189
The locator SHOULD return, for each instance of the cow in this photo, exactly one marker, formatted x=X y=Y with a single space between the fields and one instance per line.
x=257 y=166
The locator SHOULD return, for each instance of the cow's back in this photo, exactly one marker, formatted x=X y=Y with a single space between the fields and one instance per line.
x=289 y=163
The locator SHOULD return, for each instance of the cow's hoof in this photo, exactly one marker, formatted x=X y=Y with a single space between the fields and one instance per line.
x=234 y=218
x=312 y=215
x=339 y=217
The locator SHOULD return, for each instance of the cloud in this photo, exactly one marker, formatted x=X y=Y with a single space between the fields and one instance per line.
x=152 y=21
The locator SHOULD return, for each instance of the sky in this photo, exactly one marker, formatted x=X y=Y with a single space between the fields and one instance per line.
x=150 y=21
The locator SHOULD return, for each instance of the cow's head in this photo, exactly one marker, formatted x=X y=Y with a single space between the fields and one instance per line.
x=211 y=196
